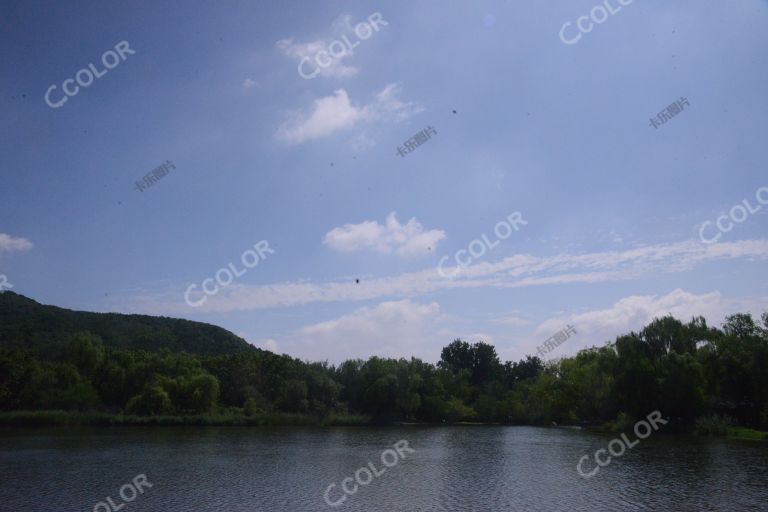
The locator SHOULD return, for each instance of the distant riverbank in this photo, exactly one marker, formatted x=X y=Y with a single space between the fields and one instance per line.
x=69 y=418
x=95 y=419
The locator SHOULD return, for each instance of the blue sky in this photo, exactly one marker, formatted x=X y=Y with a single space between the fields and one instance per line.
x=558 y=132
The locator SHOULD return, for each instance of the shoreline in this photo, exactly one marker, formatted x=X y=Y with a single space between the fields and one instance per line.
x=97 y=419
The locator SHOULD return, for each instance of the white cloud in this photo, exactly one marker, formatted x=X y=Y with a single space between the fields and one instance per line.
x=361 y=142
x=477 y=337
x=389 y=106
x=636 y=311
x=328 y=115
x=408 y=239
x=265 y=343
x=249 y=83
x=270 y=345
x=632 y=313
x=390 y=329
x=513 y=320
x=10 y=244
x=299 y=51
x=521 y=270
x=336 y=112
x=336 y=68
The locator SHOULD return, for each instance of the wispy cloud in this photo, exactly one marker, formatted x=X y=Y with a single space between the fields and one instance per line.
x=408 y=239
x=336 y=68
x=513 y=319
x=520 y=270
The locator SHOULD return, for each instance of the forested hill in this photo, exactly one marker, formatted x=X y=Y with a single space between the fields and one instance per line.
x=25 y=323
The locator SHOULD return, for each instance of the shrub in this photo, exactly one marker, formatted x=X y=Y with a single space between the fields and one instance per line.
x=713 y=425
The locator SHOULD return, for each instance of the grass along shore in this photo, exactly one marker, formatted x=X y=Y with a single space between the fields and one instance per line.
x=69 y=418
x=233 y=419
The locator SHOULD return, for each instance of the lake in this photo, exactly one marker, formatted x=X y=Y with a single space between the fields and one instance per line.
x=458 y=468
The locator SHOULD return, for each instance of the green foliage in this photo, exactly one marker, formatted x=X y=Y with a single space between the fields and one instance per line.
x=26 y=324
x=456 y=410
x=154 y=401
x=623 y=423
x=145 y=370
x=713 y=425
x=747 y=434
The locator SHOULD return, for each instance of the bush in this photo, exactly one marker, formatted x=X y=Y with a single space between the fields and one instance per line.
x=622 y=423
x=747 y=434
x=713 y=425
x=153 y=401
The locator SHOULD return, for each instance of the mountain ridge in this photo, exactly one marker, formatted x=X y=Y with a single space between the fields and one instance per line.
x=26 y=323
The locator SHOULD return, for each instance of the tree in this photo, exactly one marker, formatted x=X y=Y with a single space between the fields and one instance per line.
x=457 y=356
x=86 y=352
x=152 y=402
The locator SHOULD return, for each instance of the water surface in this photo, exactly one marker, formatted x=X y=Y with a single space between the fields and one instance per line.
x=452 y=469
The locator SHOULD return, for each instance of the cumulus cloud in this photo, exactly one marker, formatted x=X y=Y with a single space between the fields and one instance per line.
x=408 y=239
x=389 y=329
x=327 y=115
x=634 y=312
x=269 y=344
x=336 y=112
x=249 y=83
x=11 y=244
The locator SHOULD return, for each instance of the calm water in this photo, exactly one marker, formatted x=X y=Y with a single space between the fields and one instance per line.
x=452 y=469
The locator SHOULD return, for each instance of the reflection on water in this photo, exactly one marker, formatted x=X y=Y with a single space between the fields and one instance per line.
x=452 y=469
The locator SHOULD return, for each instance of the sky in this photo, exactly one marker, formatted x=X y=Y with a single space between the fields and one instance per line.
x=386 y=177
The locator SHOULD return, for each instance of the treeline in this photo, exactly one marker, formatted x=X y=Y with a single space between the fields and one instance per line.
x=687 y=371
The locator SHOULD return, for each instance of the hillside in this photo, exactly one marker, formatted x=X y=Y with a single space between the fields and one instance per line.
x=25 y=323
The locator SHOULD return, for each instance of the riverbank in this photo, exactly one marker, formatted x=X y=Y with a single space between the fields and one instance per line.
x=66 y=418
x=95 y=419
